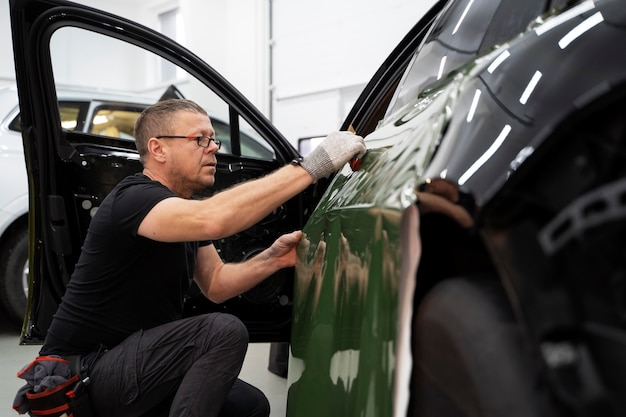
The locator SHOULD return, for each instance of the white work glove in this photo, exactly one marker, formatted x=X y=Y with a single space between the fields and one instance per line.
x=334 y=152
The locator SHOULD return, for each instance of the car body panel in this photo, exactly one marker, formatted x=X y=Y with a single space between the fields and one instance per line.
x=474 y=127
x=349 y=268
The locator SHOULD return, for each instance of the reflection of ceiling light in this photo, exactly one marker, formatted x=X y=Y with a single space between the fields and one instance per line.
x=499 y=60
x=442 y=66
x=485 y=157
x=69 y=124
x=458 y=25
x=564 y=17
x=530 y=87
x=472 y=111
x=100 y=120
x=579 y=30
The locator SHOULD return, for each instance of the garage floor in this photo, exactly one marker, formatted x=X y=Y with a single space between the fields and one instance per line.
x=14 y=356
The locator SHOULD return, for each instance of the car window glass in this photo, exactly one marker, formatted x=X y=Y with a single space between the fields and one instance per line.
x=252 y=144
x=114 y=120
x=70 y=113
x=120 y=80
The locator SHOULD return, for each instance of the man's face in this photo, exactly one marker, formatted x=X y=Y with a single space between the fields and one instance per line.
x=191 y=167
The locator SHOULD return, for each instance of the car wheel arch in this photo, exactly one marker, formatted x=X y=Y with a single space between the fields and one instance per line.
x=13 y=264
x=464 y=324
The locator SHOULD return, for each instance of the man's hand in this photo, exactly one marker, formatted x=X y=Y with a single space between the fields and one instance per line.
x=334 y=152
x=220 y=281
x=283 y=250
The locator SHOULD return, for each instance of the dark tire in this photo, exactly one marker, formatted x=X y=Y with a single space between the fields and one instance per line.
x=14 y=274
x=469 y=356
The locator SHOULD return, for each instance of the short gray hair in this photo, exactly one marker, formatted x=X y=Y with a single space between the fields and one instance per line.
x=158 y=119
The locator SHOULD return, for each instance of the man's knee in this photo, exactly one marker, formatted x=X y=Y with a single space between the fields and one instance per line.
x=228 y=328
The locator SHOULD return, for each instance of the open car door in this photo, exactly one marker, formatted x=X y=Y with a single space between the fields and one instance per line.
x=58 y=44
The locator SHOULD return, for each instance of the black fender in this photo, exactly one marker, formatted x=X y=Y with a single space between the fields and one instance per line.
x=523 y=91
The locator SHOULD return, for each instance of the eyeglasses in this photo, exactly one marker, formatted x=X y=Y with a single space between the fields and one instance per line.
x=203 y=141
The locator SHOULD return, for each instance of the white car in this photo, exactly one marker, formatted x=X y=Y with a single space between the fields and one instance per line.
x=98 y=113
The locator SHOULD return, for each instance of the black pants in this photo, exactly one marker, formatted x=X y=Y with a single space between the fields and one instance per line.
x=183 y=369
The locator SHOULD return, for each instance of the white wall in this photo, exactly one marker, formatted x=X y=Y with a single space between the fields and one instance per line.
x=326 y=51
x=231 y=36
x=320 y=55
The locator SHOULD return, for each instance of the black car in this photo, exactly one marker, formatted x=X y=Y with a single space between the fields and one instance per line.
x=472 y=265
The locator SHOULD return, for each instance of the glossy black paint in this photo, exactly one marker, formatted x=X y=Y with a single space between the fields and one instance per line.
x=549 y=196
x=548 y=201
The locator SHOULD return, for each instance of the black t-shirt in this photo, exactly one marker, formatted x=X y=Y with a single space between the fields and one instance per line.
x=123 y=282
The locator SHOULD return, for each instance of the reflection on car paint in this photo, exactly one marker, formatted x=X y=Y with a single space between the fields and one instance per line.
x=337 y=271
x=359 y=350
x=344 y=292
